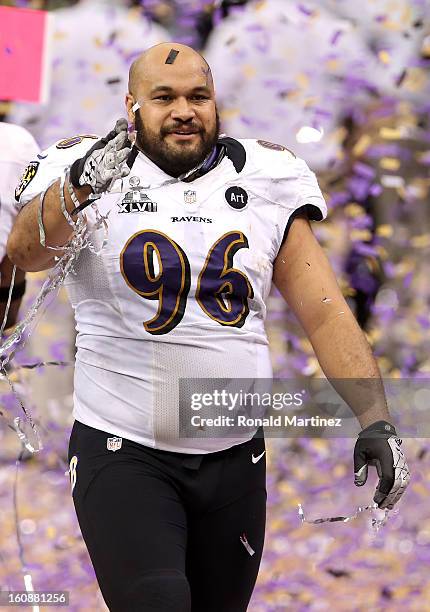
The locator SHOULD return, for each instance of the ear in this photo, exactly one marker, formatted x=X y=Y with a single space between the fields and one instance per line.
x=129 y=102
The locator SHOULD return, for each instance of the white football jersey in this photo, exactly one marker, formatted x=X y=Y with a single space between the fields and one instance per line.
x=179 y=290
x=17 y=147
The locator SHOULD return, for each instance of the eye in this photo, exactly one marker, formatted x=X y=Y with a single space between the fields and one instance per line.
x=164 y=98
x=199 y=97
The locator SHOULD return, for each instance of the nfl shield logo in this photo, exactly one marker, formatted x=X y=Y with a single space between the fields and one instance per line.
x=114 y=444
x=190 y=197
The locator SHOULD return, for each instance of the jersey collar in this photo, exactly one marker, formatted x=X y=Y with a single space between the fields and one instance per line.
x=225 y=147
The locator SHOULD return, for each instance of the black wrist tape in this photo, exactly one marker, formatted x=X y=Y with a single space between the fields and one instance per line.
x=75 y=172
x=378 y=429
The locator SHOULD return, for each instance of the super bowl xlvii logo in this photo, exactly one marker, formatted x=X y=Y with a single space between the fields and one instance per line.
x=114 y=444
x=135 y=201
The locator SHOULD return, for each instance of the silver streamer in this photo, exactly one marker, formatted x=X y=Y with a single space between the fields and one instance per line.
x=9 y=300
x=81 y=238
x=16 y=341
x=39 y=364
x=27 y=577
x=376 y=522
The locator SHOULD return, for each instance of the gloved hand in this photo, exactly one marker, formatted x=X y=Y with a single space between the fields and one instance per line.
x=104 y=162
x=379 y=445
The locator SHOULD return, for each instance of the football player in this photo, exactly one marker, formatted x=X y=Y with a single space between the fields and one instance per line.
x=199 y=225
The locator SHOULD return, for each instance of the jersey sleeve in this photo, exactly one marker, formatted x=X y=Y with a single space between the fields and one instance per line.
x=9 y=175
x=17 y=147
x=49 y=166
x=296 y=190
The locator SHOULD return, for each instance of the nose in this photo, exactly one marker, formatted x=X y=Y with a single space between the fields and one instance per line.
x=183 y=110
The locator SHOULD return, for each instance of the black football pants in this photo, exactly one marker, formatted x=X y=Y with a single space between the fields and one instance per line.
x=170 y=532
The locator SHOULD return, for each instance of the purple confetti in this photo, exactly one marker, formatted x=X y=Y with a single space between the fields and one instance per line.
x=305 y=10
x=336 y=36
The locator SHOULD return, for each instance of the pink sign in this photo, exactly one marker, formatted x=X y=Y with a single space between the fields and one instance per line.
x=24 y=54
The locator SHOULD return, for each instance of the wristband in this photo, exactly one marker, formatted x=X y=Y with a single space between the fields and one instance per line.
x=91 y=198
x=63 y=201
x=74 y=224
x=42 y=235
x=71 y=190
x=379 y=429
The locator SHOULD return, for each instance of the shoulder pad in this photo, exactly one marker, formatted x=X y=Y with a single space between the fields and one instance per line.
x=272 y=160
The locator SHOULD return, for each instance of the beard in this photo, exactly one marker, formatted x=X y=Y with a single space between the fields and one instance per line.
x=179 y=159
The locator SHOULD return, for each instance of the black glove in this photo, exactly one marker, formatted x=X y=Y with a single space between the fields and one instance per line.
x=104 y=163
x=379 y=445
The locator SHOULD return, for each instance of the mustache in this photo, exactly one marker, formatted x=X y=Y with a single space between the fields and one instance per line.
x=191 y=127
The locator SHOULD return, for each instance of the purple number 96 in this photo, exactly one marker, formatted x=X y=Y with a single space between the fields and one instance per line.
x=222 y=290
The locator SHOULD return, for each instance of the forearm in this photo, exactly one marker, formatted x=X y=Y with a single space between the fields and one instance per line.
x=344 y=353
x=24 y=247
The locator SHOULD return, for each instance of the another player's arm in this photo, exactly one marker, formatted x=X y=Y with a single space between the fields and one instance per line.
x=23 y=247
x=304 y=276
x=6 y=268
